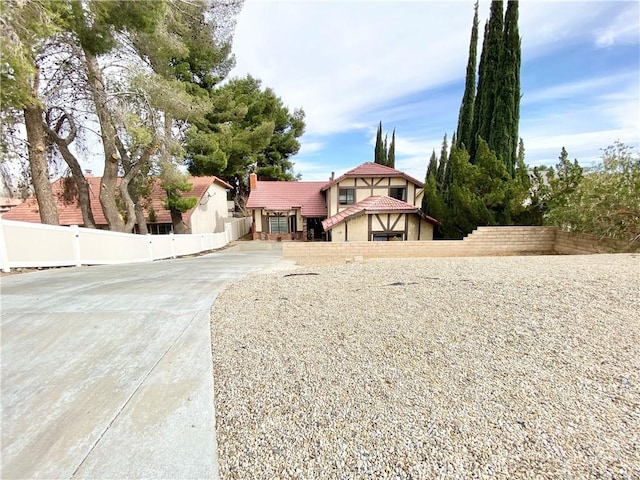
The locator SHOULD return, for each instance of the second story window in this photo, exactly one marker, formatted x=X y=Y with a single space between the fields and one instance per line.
x=399 y=193
x=346 y=196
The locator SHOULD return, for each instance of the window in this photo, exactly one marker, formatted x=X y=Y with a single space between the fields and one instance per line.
x=346 y=196
x=399 y=193
x=159 y=228
x=386 y=237
x=278 y=225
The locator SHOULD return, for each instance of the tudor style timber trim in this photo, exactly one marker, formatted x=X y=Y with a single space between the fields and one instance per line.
x=386 y=227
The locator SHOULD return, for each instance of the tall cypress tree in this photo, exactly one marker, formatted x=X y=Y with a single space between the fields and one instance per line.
x=491 y=74
x=480 y=94
x=442 y=162
x=379 y=154
x=514 y=45
x=465 y=119
x=433 y=165
x=447 y=180
x=385 y=150
x=503 y=138
x=391 y=154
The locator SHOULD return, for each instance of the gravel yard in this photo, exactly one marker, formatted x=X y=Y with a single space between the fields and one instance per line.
x=495 y=367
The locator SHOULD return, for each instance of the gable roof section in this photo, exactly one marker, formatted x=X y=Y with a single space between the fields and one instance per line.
x=369 y=170
x=69 y=211
x=286 y=196
x=372 y=205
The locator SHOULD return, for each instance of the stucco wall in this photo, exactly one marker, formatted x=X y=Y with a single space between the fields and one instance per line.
x=358 y=229
x=419 y=229
x=209 y=214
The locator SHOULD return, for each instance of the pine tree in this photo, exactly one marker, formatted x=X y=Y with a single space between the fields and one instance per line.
x=465 y=120
x=391 y=154
x=503 y=137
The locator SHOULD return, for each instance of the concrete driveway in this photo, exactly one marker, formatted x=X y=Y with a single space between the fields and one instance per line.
x=106 y=371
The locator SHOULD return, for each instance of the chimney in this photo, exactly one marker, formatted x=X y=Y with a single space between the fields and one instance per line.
x=253 y=181
x=333 y=174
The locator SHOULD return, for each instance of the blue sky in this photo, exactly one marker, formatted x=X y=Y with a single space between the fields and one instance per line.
x=350 y=64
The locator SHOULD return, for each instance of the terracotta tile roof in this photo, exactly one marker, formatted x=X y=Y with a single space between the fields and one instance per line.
x=69 y=211
x=370 y=169
x=285 y=196
x=374 y=204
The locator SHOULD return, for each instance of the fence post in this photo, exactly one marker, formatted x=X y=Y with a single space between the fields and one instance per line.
x=4 y=257
x=75 y=232
x=150 y=246
x=173 y=245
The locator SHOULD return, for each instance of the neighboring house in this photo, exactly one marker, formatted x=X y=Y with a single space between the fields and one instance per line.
x=286 y=210
x=206 y=217
x=371 y=202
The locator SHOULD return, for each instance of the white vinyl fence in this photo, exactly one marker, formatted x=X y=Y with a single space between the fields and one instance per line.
x=28 y=245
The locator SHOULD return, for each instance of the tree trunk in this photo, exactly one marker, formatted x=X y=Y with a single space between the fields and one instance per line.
x=140 y=218
x=131 y=198
x=84 y=197
x=125 y=183
x=38 y=164
x=179 y=226
x=108 y=184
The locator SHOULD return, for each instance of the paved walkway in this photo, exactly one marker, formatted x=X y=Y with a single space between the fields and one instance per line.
x=106 y=371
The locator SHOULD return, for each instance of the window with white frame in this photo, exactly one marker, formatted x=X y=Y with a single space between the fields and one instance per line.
x=399 y=193
x=278 y=225
x=347 y=196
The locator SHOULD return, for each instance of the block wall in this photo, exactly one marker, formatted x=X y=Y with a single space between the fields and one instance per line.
x=485 y=241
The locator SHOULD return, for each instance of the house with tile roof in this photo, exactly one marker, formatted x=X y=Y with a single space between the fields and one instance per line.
x=371 y=202
x=206 y=217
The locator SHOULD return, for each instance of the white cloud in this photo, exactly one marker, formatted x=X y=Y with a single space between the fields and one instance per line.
x=350 y=64
x=338 y=59
x=578 y=88
x=313 y=171
x=308 y=148
x=624 y=29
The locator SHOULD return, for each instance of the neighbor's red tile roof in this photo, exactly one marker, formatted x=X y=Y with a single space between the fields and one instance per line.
x=285 y=196
x=374 y=204
x=370 y=169
x=70 y=214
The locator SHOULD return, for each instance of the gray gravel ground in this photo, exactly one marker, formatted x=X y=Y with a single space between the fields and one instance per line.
x=510 y=367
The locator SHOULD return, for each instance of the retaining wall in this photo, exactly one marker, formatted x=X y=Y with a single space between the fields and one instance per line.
x=485 y=241
x=580 y=244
